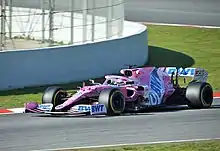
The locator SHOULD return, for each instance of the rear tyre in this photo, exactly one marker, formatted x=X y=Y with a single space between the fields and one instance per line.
x=199 y=95
x=54 y=95
x=113 y=100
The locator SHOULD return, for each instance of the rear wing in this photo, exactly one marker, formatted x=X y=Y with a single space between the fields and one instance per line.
x=197 y=74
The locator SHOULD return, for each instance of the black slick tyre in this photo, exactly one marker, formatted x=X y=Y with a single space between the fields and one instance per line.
x=199 y=95
x=113 y=100
x=53 y=95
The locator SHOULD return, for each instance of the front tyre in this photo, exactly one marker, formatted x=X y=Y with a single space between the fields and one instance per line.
x=113 y=100
x=54 y=95
x=199 y=95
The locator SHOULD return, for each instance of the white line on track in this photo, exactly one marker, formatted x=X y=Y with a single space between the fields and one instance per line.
x=129 y=144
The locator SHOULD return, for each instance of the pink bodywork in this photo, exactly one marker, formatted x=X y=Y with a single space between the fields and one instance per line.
x=143 y=82
x=143 y=77
x=140 y=76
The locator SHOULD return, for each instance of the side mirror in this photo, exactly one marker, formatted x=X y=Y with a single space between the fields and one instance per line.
x=92 y=81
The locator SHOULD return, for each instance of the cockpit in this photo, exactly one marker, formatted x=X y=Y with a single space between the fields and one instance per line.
x=117 y=80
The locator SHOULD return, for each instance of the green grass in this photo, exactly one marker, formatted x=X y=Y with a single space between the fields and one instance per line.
x=186 y=46
x=168 y=46
x=17 y=97
x=213 y=145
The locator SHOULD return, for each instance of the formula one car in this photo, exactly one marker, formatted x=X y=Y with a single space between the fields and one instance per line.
x=135 y=89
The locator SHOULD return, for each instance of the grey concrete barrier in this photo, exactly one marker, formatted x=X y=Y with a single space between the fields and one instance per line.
x=64 y=64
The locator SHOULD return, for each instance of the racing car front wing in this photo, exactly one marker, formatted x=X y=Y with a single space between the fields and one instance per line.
x=94 y=109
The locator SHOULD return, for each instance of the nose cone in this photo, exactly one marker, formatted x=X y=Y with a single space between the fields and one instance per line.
x=31 y=105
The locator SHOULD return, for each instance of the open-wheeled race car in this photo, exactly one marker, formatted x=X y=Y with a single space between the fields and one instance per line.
x=135 y=89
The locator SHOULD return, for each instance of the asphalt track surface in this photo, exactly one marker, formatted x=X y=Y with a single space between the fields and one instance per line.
x=199 y=12
x=22 y=132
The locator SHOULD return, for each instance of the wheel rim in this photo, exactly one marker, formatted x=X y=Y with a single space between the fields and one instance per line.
x=207 y=95
x=117 y=102
x=58 y=96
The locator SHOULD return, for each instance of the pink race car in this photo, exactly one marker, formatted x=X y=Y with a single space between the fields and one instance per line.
x=134 y=90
